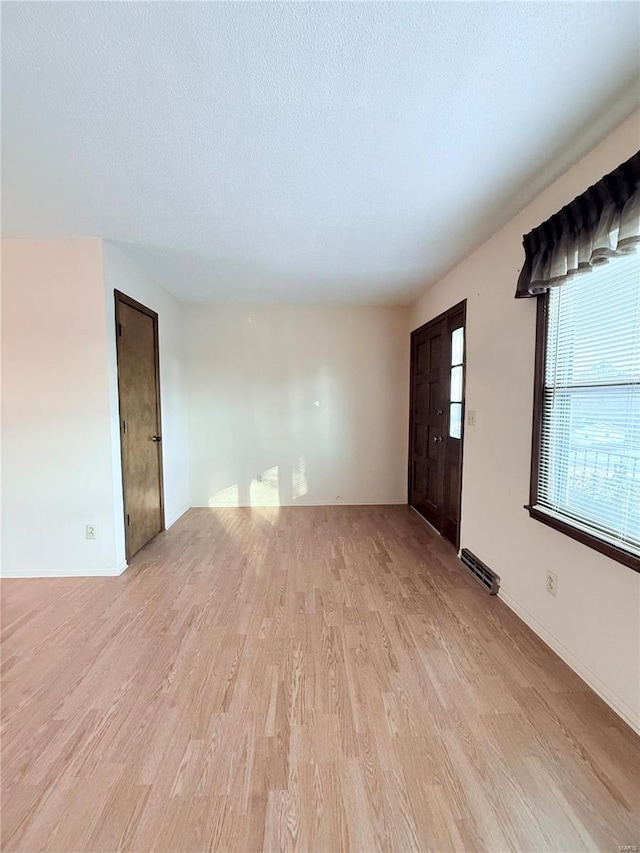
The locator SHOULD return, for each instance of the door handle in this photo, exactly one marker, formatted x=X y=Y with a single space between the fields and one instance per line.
x=437 y=438
x=159 y=438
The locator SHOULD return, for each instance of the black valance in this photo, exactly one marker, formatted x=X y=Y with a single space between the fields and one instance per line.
x=601 y=223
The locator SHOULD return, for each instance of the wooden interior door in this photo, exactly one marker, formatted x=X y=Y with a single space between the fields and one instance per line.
x=140 y=431
x=437 y=421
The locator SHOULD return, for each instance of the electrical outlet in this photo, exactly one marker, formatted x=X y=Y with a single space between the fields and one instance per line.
x=91 y=531
x=471 y=418
x=552 y=583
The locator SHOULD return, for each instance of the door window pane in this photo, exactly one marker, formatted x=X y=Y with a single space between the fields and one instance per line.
x=455 y=420
x=457 y=346
x=456 y=384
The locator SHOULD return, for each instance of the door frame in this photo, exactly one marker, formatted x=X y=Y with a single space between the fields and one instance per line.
x=458 y=308
x=122 y=298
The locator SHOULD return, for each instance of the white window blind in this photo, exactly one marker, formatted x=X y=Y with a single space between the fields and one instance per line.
x=589 y=472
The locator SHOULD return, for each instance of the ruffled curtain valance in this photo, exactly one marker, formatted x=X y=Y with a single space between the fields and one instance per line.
x=601 y=223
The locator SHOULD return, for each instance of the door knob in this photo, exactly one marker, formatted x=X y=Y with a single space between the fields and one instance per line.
x=159 y=438
x=437 y=438
x=440 y=411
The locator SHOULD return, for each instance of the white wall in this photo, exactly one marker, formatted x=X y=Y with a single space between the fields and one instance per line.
x=121 y=273
x=594 y=623
x=56 y=443
x=312 y=399
x=60 y=425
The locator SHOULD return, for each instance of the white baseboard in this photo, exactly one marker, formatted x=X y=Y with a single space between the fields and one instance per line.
x=614 y=702
x=65 y=573
x=181 y=512
x=327 y=502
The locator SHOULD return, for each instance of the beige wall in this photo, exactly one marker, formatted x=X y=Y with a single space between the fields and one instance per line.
x=60 y=424
x=56 y=441
x=594 y=622
x=311 y=399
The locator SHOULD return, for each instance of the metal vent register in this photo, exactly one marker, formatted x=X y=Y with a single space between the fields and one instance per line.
x=481 y=573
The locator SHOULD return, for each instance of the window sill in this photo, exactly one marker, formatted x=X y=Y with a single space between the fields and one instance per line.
x=601 y=545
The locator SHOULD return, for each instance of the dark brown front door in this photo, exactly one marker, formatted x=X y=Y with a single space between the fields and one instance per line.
x=436 y=421
x=140 y=435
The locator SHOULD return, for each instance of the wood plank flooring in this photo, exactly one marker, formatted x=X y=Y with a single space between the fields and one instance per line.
x=309 y=678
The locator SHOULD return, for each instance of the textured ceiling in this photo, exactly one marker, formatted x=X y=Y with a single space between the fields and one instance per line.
x=300 y=152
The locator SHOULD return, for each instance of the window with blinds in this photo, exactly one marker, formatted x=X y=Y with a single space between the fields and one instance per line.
x=589 y=462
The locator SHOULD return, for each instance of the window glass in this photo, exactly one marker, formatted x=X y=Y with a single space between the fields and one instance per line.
x=457 y=346
x=456 y=385
x=455 y=420
x=589 y=459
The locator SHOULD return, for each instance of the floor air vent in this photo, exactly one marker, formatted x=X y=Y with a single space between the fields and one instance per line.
x=481 y=573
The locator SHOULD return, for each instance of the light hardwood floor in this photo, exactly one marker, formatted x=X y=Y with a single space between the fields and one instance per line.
x=322 y=679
